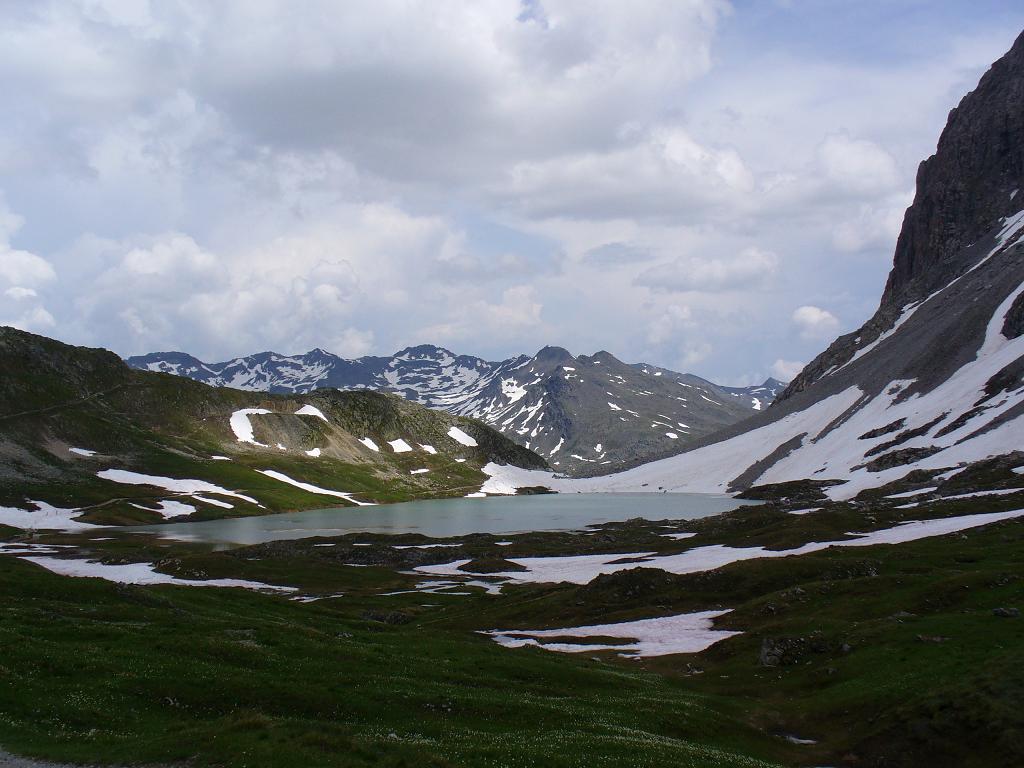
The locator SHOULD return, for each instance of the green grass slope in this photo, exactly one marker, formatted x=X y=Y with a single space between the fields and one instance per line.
x=54 y=397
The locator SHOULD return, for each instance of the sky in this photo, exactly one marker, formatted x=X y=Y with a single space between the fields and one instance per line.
x=707 y=186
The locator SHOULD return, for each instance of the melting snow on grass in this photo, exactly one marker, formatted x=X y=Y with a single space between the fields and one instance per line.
x=422 y=471
x=214 y=502
x=311 y=410
x=170 y=508
x=139 y=573
x=44 y=517
x=314 y=452
x=369 y=444
x=582 y=569
x=461 y=437
x=174 y=485
x=273 y=473
x=242 y=427
x=684 y=633
x=82 y=452
x=399 y=446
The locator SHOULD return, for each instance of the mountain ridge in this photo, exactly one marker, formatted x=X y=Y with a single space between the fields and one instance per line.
x=587 y=414
x=934 y=381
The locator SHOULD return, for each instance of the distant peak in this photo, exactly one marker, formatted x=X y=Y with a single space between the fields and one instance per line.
x=424 y=350
x=554 y=355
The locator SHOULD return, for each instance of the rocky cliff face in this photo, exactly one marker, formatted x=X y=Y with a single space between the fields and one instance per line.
x=967 y=193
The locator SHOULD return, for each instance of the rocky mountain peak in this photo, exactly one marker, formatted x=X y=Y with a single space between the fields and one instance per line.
x=554 y=356
x=969 y=196
x=974 y=179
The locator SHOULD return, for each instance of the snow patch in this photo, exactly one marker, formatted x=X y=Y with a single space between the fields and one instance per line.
x=44 y=517
x=311 y=410
x=272 y=473
x=142 y=574
x=684 y=633
x=461 y=437
x=582 y=569
x=172 y=484
x=242 y=427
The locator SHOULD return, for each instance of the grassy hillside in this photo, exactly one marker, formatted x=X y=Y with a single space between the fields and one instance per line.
x=55 y=397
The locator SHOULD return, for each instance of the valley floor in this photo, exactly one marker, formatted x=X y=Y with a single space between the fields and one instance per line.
x=886 y=654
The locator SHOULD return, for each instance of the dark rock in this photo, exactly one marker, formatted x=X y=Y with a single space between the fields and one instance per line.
x=387 y=617
x=1006 y=613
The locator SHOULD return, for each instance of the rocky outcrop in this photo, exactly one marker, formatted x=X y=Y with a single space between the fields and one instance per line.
x=964 y=192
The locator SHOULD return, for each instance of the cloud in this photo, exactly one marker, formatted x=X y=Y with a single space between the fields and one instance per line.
x=669 y=323
x=238 y=176
x=21 y=273
x=815 y=322
x=872 y=224
x=655 y=173
x=750 y=267
x=786 y=370
x=857 y=165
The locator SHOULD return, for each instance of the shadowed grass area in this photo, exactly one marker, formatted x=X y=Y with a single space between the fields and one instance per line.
x=95 y=671
x=886 y=655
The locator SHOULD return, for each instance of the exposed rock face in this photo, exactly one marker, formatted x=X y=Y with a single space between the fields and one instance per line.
x=966 y=192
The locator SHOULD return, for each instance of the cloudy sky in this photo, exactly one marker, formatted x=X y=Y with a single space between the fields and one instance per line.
x=712 y=187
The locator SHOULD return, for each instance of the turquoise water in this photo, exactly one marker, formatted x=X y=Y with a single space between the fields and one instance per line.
x=456 y=517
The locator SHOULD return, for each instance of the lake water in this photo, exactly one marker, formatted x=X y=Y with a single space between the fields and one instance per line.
x=456 y=517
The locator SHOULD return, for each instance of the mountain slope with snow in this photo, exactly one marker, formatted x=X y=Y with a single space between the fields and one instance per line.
x=586 y=415
x=935 y=379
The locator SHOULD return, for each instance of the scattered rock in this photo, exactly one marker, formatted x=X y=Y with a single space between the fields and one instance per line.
x=387 y=617
x=1006 y=613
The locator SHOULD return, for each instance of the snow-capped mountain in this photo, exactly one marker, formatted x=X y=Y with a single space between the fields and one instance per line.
x=935 y=379
x=759 y=396
x=586 y=414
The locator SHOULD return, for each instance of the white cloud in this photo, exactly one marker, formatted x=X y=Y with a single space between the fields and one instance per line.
x=815 y=322
x=857 y=165
x=663 y=171
x=239 y=176
x=872 y=224
x=750 y=267
x=674 y=319
x=21 y=273
x=786 y=370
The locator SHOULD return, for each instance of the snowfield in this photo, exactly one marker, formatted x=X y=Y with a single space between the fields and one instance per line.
x=242 y=427
x=169 y=508
x=174 y=485
x=311 y=410
x=685 y=633
x=139 y=573
x=44 y=517
x=582 y=569
x=273 y=473
x=461 y=437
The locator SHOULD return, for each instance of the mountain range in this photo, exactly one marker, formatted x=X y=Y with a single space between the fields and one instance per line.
x=586 y=415
x=934 y=380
